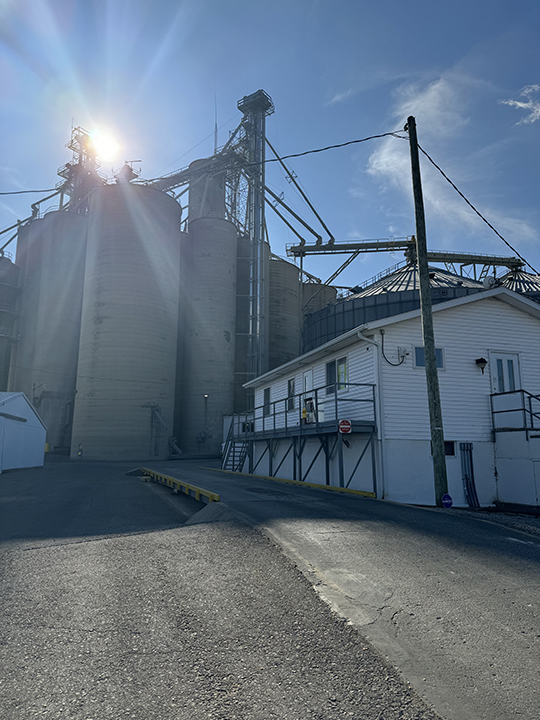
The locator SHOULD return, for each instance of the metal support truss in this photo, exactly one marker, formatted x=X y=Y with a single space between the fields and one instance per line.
x=487 y=263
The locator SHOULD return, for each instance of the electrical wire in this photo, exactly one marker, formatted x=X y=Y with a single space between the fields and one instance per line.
x=334 y=147
x=331 y=147
x=513 y=249
x=200 y=143
x=268 y=160
x=384 y=356
x=24 y=192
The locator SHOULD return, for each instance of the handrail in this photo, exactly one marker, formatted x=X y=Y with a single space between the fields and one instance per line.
x=528 y=413
x=275 y=416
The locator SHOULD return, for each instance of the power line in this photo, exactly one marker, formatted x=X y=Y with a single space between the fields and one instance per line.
x=333 y=147
x=23 y=192
x=340 y=145
x=269 y=160
x=477 y=211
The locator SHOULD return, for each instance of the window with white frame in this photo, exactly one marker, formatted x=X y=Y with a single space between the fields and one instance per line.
x=420 y=360
x=336 y=375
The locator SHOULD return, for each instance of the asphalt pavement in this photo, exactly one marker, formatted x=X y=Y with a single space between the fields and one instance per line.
x=449 y=598
x=114 y=607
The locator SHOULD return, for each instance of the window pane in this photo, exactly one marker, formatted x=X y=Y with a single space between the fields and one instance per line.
x=500 y=375
x=266 y=406
x=342 y=373
x=420 y=361
x=290 y=394
x=331 y=377
x=511 y=378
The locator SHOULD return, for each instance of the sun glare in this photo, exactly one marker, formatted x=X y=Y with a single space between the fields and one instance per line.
x=106 y=147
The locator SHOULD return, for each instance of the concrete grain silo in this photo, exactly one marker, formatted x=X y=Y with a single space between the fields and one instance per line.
x=206 y=386
x=127 y=361
x=9 y=293
x=284 y=314
x=51 y=254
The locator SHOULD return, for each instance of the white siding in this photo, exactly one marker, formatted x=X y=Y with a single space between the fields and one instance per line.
x=360 y=369
x=22 y=444
x=508 y=470
x=465 y=333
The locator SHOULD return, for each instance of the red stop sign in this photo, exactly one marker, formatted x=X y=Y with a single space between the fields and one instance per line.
x=345 y=426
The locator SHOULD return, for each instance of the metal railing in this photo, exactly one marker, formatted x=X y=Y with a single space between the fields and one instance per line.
x=308 y=412
x=518 y=410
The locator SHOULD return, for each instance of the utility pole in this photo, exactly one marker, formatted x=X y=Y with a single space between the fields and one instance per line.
x=432 y=378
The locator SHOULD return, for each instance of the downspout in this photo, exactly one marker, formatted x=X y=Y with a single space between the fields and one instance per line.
x=379 y=392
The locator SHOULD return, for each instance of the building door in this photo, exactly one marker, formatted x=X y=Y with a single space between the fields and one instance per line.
x=505 y=375
x=308 y=407
x=506 y=378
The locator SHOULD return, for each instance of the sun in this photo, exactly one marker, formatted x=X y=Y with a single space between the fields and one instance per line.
x=106 y=147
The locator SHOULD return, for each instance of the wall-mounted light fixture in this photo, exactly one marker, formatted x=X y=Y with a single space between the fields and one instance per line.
x=481 y=362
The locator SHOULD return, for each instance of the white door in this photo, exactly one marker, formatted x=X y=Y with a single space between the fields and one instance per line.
x=505 y=375
x=307 y=400
x=506 y=378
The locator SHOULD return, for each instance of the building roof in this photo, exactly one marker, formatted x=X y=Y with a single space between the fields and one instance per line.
x=352 y=336
x=521 y=282
x=406 y=278
x=6 y=398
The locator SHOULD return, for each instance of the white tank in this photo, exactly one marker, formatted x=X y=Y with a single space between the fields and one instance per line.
x=127 y=360
x=284 y=316
x=206 y=384
x=51 y=254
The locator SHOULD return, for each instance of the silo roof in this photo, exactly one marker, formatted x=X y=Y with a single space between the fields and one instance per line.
x=406 y=278
x=520 y=281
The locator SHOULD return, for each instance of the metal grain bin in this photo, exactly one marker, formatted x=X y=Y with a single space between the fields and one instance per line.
x=284 y=316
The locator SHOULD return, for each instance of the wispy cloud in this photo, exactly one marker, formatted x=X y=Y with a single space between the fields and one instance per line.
x=531 y=93
x=342 y=96
x=442 y=109
x=12 y=178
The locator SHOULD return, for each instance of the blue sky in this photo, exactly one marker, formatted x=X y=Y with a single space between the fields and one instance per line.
x=151 y=71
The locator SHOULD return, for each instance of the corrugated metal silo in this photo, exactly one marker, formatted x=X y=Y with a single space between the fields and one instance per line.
x=207 y=381
x=51 y=252
x=316 y=296
x=522 y=282
x=396 y=292
x=206 y=192
x=284 y=314
x=127 y=359
x=9 y=292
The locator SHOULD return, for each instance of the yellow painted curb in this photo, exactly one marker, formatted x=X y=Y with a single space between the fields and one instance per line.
x=315 y=486
x=188 y=489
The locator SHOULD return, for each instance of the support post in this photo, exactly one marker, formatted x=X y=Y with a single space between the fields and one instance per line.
x=432 y=378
